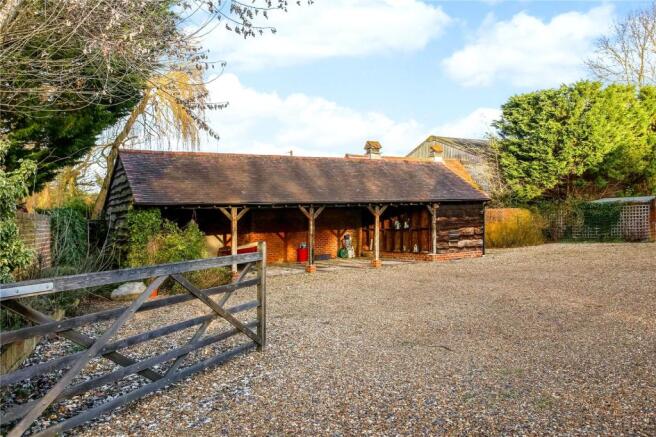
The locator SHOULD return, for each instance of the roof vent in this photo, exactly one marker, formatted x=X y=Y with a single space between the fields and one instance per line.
x=437 y=153
x=372 y=148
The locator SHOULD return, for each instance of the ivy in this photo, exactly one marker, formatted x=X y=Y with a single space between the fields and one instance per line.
x=13 y=187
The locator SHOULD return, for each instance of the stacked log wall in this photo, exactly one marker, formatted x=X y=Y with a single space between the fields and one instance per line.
x=119 y=200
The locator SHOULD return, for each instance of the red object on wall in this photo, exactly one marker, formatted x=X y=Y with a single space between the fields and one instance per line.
x=302 y=254
x=247 y=249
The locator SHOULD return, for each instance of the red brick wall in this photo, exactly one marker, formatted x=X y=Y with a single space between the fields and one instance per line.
x=460 y=230
x=284 y=230
x=34 y=230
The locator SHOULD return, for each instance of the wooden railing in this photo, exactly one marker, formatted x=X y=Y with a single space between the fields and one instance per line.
x=26 y=413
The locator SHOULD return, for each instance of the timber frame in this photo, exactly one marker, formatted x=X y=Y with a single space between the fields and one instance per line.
x=377 y=211
x=234 y=215
x=311 y=215
x=26 y=413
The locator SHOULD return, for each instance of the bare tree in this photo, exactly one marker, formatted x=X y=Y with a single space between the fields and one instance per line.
x=629 y=54
x=73 y=53
x=67 y=55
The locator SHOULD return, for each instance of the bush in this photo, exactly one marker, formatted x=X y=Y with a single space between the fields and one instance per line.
x=13 y=187
x=513 y=227
x=153 y=240
x=69 y=236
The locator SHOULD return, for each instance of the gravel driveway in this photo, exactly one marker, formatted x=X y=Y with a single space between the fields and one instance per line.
x=555 y=339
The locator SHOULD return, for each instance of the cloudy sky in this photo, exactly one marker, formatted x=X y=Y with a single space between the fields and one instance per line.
x=340 y=72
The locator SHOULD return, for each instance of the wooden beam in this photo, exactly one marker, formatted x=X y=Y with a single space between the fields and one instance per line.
x=261 y=297
x=377 y=234
x=304 y=211
x=234 y=215
x=311 y=214
x=233 y=229
x=203 y=297
x=433 y=211
x=311 y=218
x=59 y=326
x=242 y=212
x=74 y=336
x=377 y=211
x=37 y=287
x=225 y=212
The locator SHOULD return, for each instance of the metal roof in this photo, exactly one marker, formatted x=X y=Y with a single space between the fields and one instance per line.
x=636 y=199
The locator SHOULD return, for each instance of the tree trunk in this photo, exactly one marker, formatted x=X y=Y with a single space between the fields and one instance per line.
x=8 y=13
x=113 y=155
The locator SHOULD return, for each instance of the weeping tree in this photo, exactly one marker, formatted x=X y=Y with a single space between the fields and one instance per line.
x=170 y=109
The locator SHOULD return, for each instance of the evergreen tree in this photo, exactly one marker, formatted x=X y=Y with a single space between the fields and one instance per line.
x=557 y=142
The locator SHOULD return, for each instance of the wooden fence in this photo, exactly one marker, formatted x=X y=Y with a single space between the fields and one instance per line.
x=26 y=413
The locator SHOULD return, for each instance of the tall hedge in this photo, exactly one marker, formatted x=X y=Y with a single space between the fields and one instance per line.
x=556 y=142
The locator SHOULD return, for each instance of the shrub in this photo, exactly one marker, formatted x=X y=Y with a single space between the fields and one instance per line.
x=69 y=236
x=153 y=240
x=13 y=187
x=143 y=226
x=513 y=227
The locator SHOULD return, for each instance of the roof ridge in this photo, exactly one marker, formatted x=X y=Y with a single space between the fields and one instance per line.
x=245 y=155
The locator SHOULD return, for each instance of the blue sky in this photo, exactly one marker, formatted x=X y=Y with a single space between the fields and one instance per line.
x=340 y=72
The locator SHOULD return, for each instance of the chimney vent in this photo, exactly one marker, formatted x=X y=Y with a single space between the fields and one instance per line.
x=437 y=153
x=372 y=148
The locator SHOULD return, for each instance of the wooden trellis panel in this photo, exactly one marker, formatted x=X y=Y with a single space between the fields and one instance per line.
x=25 y=414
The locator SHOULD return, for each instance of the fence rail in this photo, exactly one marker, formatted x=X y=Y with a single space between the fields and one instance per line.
x=26 y=413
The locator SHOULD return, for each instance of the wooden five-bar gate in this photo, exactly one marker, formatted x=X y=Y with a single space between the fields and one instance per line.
x=26 y=413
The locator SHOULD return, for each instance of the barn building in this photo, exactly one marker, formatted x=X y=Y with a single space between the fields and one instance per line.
x=476 y=156
x=397 y=207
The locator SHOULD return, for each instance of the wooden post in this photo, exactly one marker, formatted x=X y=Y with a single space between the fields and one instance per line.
x=377 y=211
x=234 y=215
x=261 y=296
x=433 y=211
x=311 y=216
x=311 y=238
x=233 y=238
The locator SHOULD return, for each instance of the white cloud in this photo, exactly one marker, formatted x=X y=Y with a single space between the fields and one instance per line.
x=527 y=51
x=267 y=123
x=331 y=28
x=476 y=124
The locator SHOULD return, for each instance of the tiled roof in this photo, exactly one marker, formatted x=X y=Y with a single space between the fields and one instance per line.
x=188 y=178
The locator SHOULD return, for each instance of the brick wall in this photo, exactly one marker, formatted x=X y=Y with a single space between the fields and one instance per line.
x=35 y=232
x=460 y=230
x=285 y=230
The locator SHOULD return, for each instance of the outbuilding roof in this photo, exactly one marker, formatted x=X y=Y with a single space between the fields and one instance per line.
x=470 y=145
x=190 y=178
x=635 y=199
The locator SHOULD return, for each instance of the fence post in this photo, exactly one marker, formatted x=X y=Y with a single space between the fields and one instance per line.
x=261 y=295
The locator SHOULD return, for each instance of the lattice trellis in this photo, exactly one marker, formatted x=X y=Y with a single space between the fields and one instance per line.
x=633 y=225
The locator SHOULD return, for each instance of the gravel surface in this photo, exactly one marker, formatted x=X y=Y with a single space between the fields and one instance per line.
x=555 y=339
